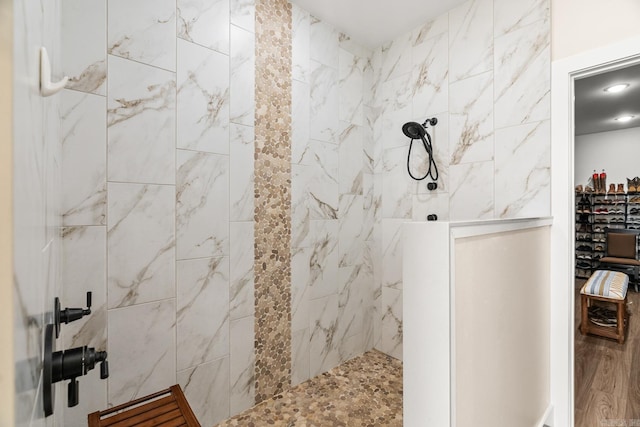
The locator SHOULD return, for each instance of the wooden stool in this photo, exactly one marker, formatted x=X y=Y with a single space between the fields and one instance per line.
x=607 y=286
x=165 y=408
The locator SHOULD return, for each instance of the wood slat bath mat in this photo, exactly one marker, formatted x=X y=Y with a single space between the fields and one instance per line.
x=166 y=408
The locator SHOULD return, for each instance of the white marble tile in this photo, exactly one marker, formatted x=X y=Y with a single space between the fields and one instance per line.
x=84 y=159
x=241 y=175
x=392 y=253
x=205 y=23
x=140 y=123
x=323 y=43
x=314 y=186
x=202 y=205
x=323 y=347
x=350 y=74
x=391 y=338
x=353 y=46
x=431 y=77
x=325 y=102
x=84 y=269
x=301 y=265
x=522 y=88
x=350 y=159
x=242 y=362
x=206 y=388
x=470 y=39
x=397 y=185
x=300 y=120
x=243 y=14
x=351 y=304
x=396 y=58
x=300 y=213
x=430 y=204
x=300 y=356
x=372 y=203
x=242 y=76
x=430 y=29
x=472 y=191
x=84 y=37
x=471 y=119
x=523 y=171
x=202 y=301
x=351 y=217
x=324 y=259
x=351 y=347
x=144 y=31
x=242 y=270
x=371 y=140
x=373 y=263
x=203 y=99
x=371 y=77
x=509 y=15
x=140 y=243
x=142 y=350
x=397 y=104
x=300 y=44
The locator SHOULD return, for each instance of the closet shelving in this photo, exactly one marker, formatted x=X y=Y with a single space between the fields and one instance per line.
x=594 y=213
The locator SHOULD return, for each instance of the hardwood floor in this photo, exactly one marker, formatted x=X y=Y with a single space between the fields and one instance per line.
x=607 y=374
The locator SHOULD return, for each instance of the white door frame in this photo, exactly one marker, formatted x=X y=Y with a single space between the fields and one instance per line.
x=563 y=74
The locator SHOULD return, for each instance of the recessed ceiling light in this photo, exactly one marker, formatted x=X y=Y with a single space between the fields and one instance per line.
x=624 y=119
x=617 y=88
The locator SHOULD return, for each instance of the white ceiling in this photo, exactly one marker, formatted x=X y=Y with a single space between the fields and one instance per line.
x=373 y=22
x=595 y=110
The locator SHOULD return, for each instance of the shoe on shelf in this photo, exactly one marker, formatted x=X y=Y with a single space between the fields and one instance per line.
x=579 y=189
x=612 y=189
x=620 y=189
x=588 y=189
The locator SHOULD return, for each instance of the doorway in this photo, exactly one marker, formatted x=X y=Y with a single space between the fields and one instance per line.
x=565 y=72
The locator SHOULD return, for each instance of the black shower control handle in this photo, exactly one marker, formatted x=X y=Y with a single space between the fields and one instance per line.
x=69 y=315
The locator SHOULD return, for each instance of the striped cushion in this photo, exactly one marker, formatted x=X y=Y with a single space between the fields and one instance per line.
x=608 y=284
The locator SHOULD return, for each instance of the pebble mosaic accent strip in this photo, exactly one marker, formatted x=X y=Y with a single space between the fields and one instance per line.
x=364 y=391
x=273 y=198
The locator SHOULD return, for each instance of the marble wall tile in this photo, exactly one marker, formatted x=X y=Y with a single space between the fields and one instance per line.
x=140 y=123
x=352 y=46
x=372 y=204
x=397 y=105
x=317 y=188
x=300 y=120
x=523 y=171
x=324 y=259
x=242 y=361
x=350 y=74
x=371 y=140
x=202 y=205
x=241 y=175
x=471 y=119
x=84 y=269
x=324 y=103
x=202 y=319
x=84 y=159
x=397 y=185
x=300 y=356
x=351 y=305
x=142 y=346
x=241 y=270
x=472 y=191
x=206 y=388
x=350 y=163
x=144 y=31
x=301 y=265
x=205 y=23
x=395 y=58
x=430 y=29
x=470 y=39
x=430 y=76
x=300 y=45
x=300 y=213
x=140 y=243
x=391 y=338
x=511 y=15
x=84 y=37
x=243 y=14
x=202 y=99
x=430 y=203
x=323 y=342
x=522 y=88
x=323 y=43
x=350 y=238
x=242 y=59
x=392 y=253
x=372 y=77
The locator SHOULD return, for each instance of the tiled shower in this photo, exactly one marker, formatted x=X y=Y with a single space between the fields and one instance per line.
x=137 y=182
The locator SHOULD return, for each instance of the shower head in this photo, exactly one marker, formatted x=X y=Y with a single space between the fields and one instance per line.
x=416 y=130
x=413 y=130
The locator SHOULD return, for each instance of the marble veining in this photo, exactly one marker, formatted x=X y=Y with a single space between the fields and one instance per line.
x=323 y=43
x=430 y=76
x=242 y=76
x=512 y=15
x=470 y=39
x=300 y=356
x=430 y=29
x=350 y=237
x=202 y=99
x=205 y=23
x=392 y=253
x=323 y=340
x=242 y=365
x=300 y=44
x=206 y=388
x=242 y=14
x=241 y=270
x=241 y=175
x=472 y=191
x=350 y=164
x=325 y=102
x=391 y=340
x=350 y=75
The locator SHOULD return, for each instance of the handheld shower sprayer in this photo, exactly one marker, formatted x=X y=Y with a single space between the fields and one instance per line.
x=415 y=131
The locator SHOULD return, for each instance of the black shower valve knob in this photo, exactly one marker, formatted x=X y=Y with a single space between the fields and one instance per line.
x=432 y=186
x=69 y=315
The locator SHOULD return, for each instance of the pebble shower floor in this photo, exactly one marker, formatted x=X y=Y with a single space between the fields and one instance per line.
x=364 y=391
